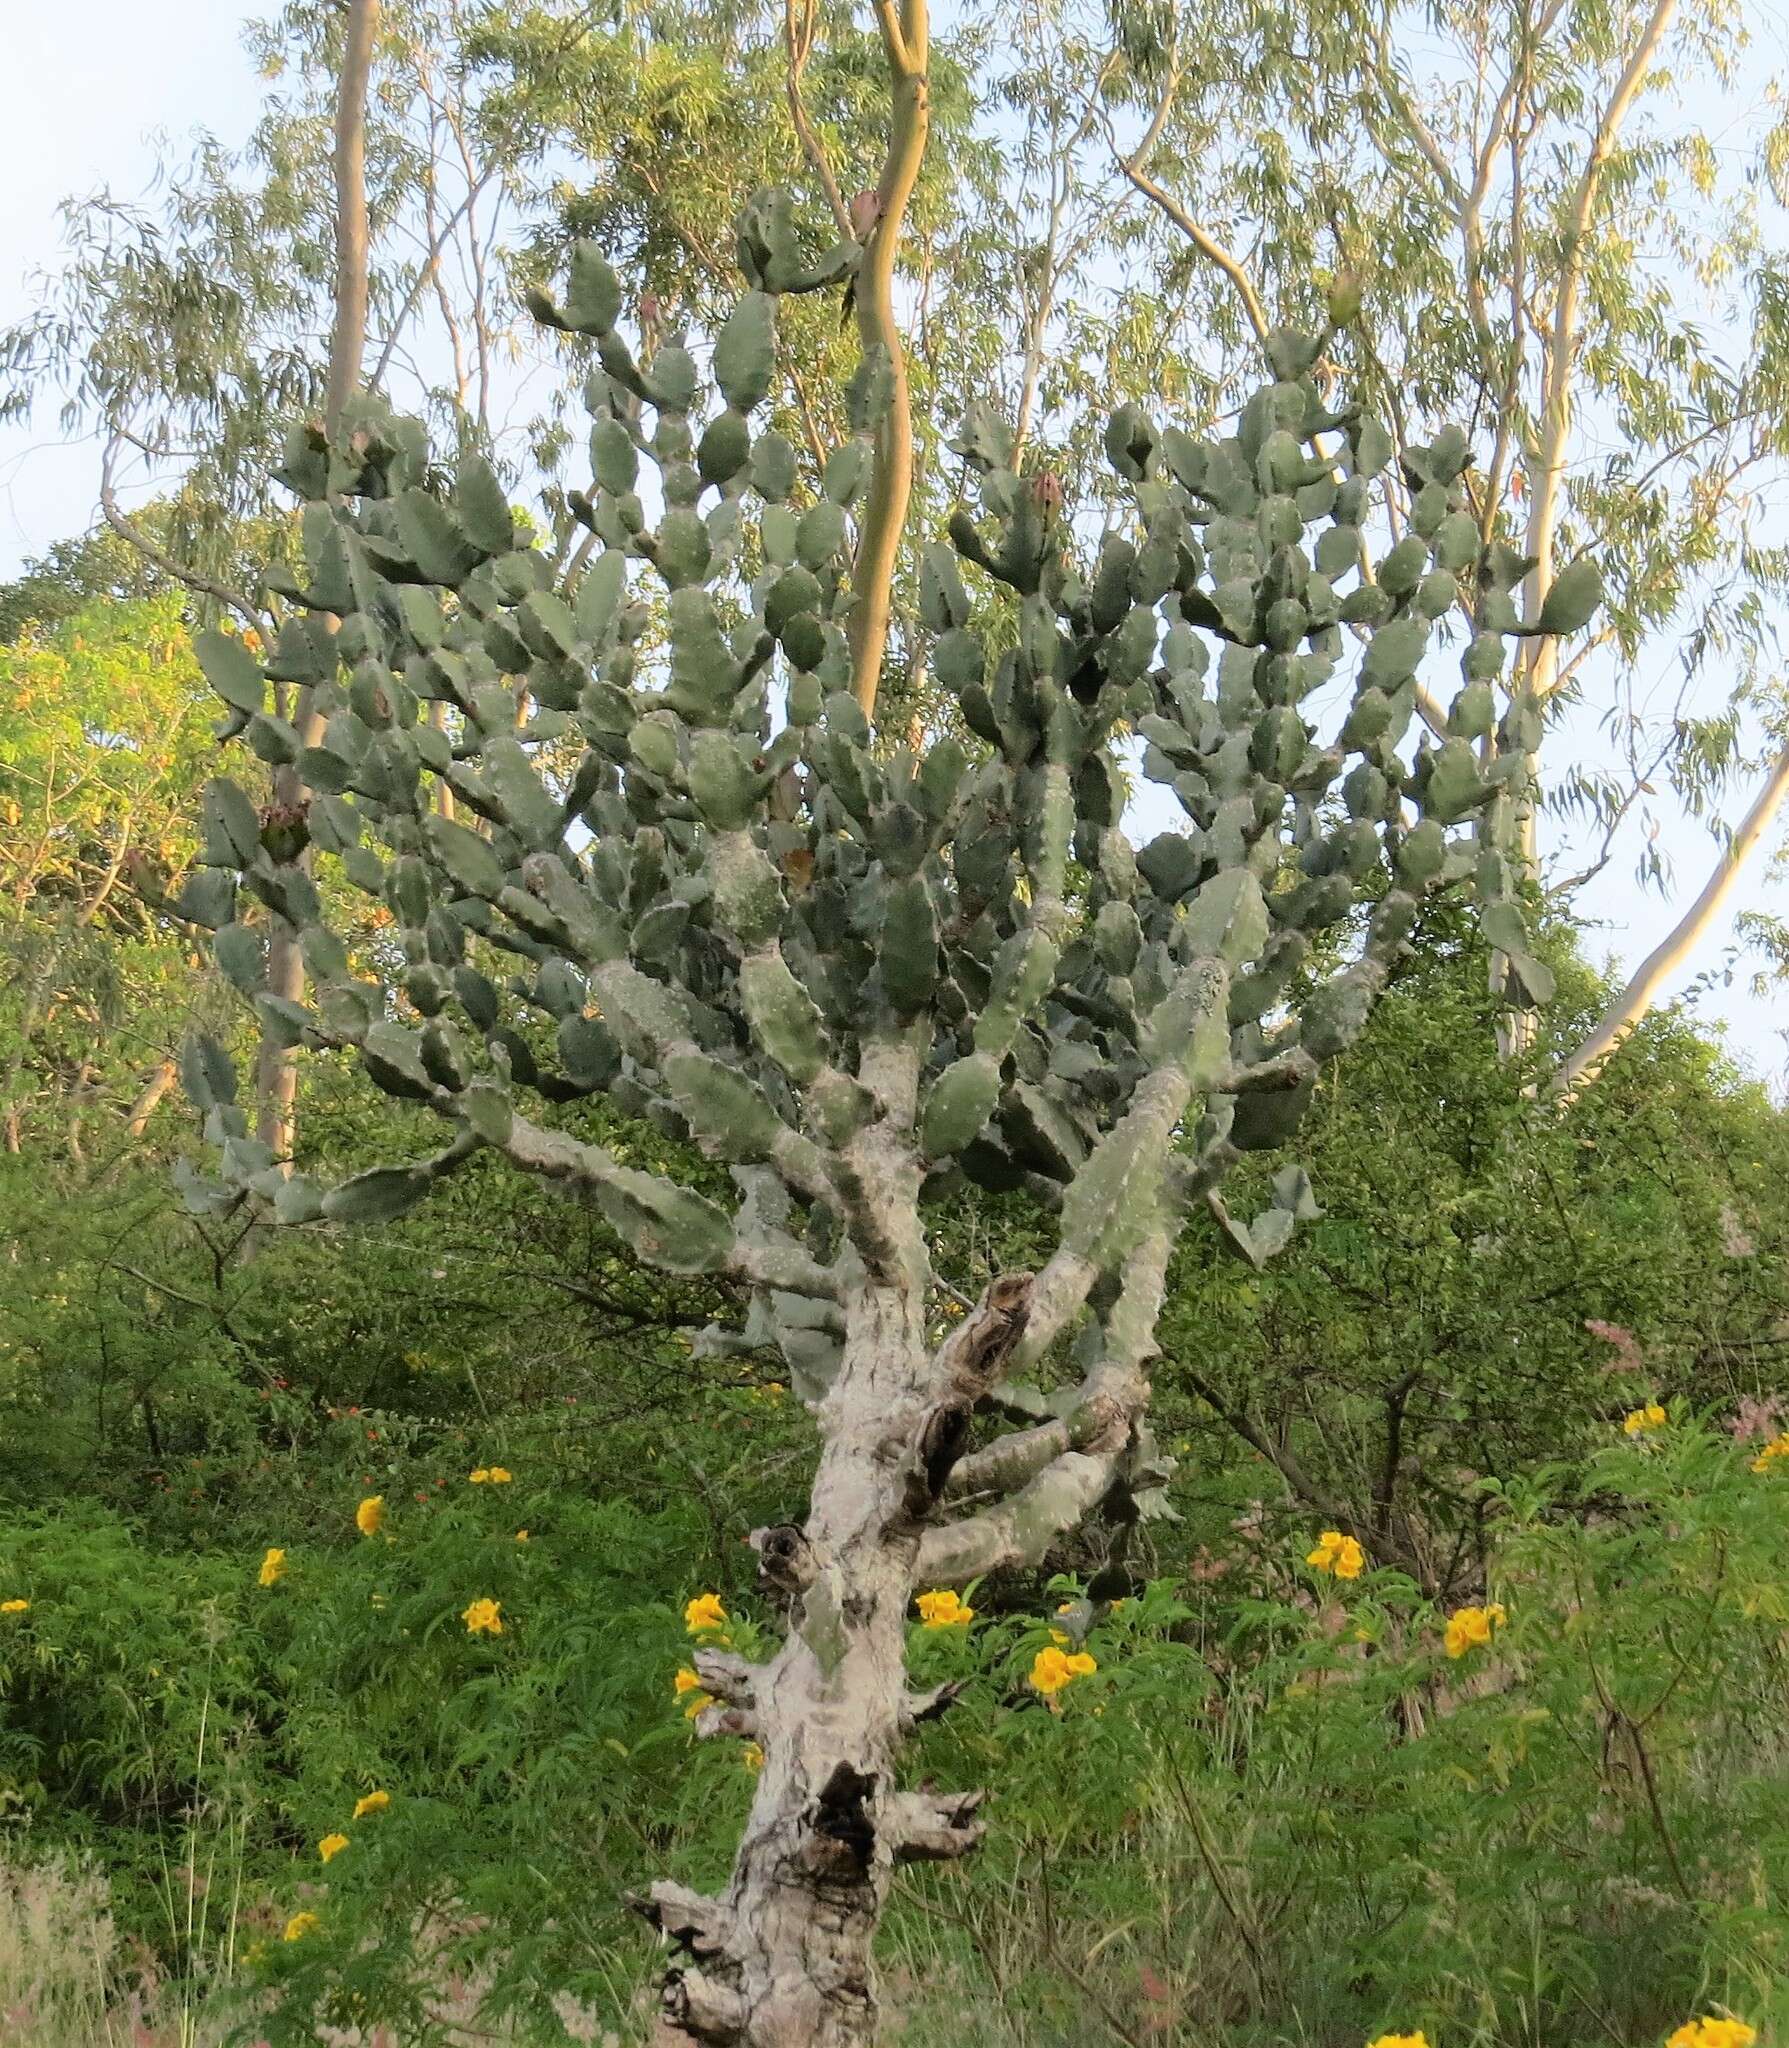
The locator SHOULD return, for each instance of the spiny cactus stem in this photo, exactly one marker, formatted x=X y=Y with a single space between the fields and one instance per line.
x=1012 y=1460
x=976 y=1350
x=769 y=1262
x=1074 y=1481
x=1020 y=1530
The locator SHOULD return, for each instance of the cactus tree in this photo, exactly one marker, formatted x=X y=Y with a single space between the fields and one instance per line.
x=680 y=868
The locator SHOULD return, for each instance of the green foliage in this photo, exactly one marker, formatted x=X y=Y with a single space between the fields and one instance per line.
x=103 y=745
x=1285 y=1805
x=1586 y=1813
x=1437 y=1325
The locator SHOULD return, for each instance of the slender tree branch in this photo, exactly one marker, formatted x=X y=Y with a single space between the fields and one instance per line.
x=904 y=37
x=1642 y=989
x=800 y=18
x=1207 y=244
x=127 y=529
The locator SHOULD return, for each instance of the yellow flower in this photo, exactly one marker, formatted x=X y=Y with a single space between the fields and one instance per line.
x=704 y=1614
x=1778 y=1447
x=688 y=1684
x=14 y=1606
x=752 y=1757
x=300 y=1925
x=500 y=1475
x=1640 y=1420
x=272 y=1566
x=1713 y=2033
x=1418 y=2040
x=331 y=1846
x=1051 y=1670
x=943 y=1610
x=1339 y=1554
x=369 y=1517
x=1467 y=1627
x=1059 y=1639
x=481 y=1476
x=521 y=1535
x=484 y=1617
x=373 y=1802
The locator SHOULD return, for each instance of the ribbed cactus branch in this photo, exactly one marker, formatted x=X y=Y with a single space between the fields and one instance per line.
x=691 y=881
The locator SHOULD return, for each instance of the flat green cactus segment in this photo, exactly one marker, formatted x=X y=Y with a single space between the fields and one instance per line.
x=728 y=1114
x=1022 y=976
x=782 y=1015
x=958 y=1104
x=1572 y=598
x=232 y=671
x=664 y=1224
x=745 y=352
x=909 y=951
x=1227 y=919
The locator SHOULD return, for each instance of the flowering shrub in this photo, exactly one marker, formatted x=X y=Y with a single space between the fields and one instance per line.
x=1713 y=2033
x=1235 y=1753
x=1053 y=1668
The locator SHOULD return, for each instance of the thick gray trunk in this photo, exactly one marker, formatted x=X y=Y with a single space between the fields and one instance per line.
x=783 y=1959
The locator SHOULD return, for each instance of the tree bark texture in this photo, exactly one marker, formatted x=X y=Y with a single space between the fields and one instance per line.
x=276 y=1067
x=783 y=1959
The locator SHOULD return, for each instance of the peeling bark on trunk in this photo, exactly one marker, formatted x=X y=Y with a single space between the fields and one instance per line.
x=784 y=1958
x=783 y=1961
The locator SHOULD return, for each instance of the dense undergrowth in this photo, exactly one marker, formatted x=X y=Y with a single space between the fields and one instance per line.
x=1277 y=1810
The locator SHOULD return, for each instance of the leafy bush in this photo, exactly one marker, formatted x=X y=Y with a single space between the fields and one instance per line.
x=1277 y=1808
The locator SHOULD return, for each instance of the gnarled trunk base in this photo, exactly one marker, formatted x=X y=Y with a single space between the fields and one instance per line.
x=784 y=1958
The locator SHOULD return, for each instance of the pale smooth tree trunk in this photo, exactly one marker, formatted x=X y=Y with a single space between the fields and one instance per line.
x=276 y=1074
x=904 y=38
x=1539 y=671
x=1649 y=977
x=148 y=1099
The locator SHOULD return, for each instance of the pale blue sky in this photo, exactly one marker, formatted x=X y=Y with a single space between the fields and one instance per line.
x=88 y=95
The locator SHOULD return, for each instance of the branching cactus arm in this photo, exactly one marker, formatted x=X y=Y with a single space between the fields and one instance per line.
x=688 y=881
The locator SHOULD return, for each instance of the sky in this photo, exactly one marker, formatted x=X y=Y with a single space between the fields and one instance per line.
x=151 y=71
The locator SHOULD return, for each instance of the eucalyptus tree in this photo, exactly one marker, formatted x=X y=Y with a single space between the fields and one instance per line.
x=353 y=240
x=700 y=874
